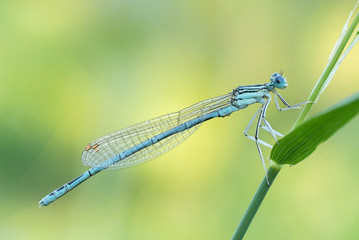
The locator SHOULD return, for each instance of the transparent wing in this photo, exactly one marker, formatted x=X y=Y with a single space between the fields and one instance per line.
x=106 y=147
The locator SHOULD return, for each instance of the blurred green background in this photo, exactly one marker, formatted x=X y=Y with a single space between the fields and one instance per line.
x=71 y=71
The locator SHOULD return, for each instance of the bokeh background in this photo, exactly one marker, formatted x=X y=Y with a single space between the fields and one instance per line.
x=71 y=71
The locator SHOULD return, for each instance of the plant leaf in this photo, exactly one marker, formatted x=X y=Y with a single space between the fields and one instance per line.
x=303 y=140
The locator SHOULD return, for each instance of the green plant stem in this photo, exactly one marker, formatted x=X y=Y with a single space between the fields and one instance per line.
x=256 y=202
x=318 y=87
x=275 y=169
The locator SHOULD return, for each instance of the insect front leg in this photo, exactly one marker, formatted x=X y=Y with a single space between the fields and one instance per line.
x=289 y=107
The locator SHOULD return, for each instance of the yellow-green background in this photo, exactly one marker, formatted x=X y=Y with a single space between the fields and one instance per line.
x=71 y=71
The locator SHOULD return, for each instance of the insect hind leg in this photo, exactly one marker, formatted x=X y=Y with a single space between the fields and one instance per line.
x=253 y=137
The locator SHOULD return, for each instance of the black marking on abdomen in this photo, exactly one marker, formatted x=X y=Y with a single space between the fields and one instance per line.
x=60 y=188
x=74 y=180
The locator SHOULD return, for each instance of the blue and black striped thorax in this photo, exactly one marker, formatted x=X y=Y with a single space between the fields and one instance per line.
x=276 y=81
x=251 y=89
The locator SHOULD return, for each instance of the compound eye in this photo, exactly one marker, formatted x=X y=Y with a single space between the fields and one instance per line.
x=277 y=80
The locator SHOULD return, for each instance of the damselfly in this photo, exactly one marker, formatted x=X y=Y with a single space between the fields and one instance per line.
x=144 y=141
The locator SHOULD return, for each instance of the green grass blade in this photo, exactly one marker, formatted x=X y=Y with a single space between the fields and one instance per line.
x=331 y=67
x=303 y=140
x=299 y=144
